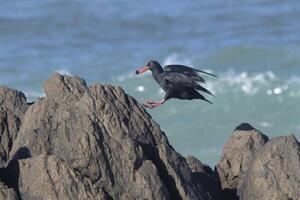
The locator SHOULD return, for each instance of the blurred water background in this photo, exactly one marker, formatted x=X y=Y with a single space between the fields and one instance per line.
x=252 y=45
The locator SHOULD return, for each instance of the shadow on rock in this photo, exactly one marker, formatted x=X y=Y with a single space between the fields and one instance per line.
x=152 y=154
x=10 y=174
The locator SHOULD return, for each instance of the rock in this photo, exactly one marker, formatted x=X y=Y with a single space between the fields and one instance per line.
x=204 y=174
x=13 y=100
x=7 y=193
x=64 y=89
x=97 y=142
x=9 y=126
x=237 y=154
x=274 y=174
x=48 y=177
x=13 y=105
x=99 y=134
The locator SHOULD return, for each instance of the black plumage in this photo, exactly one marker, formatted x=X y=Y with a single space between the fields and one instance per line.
x=178 y=81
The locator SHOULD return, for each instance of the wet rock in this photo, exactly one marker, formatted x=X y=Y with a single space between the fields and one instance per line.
x=237 y=154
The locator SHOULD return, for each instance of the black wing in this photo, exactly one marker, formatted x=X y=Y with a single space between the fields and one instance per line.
x=181 y=81
x=189 y=71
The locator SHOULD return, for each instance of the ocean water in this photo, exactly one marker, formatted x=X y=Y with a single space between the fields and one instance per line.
x=252 y=45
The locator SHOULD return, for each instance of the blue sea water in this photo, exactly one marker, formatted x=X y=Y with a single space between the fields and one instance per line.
x=252 y=45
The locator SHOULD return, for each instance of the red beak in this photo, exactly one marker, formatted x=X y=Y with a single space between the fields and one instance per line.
x=142 y=70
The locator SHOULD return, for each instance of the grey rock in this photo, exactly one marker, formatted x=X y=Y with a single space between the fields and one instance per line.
x=202 y=174
x=13 y=100
x=105 y=136
x=49 y=177
x=237 y=154
x=13 y=105
x=97 y=142
x=274 y=174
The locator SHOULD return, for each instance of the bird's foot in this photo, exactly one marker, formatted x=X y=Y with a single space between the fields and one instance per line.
x=152 y=104
x=148 y=106
x=150 y=101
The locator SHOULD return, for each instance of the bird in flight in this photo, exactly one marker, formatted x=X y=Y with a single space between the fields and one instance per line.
x=178 y=81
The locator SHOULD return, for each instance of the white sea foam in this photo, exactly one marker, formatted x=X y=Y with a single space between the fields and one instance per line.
x=230 y=81
x=64 y=71
x=124 y=77
x=266 y=124
x=174 y=59
x=34 y=94
x=243 y=81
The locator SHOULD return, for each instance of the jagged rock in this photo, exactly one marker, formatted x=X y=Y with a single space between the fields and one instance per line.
x=274 y=174
x=237 y=154
x=9 y=126
x=105 y=136
x=13 y=100
x=96 y=142
x=13 y=105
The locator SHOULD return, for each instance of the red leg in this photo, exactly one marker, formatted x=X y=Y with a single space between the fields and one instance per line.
x=153 y=104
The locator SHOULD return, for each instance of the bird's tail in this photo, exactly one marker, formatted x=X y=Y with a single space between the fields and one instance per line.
x=199 y=87
x=200 y=96
x=204 y=72
x=207 y=101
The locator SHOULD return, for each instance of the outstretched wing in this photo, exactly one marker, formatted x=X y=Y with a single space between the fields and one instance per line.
x=181 y=81
x=189 y=71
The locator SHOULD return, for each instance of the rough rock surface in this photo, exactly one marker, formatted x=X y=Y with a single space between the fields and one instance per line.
x=13 y=105
x=274 y=174
x=103 y=142
x=237 y=154
x=55 y=179
x=7 y=193
x=205 y=174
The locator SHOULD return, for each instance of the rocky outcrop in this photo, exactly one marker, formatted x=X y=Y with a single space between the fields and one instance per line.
x=275 y=172
x=97 y=142
x=49 y=177
x=254 y=168
x=89 y=142
x=13 y=105
x=237 y=154
x=204 y=174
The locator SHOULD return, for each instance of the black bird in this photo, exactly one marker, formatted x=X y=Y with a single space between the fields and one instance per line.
x=178 y=81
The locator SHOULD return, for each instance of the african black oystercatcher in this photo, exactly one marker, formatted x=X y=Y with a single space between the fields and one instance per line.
x=178 y=81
